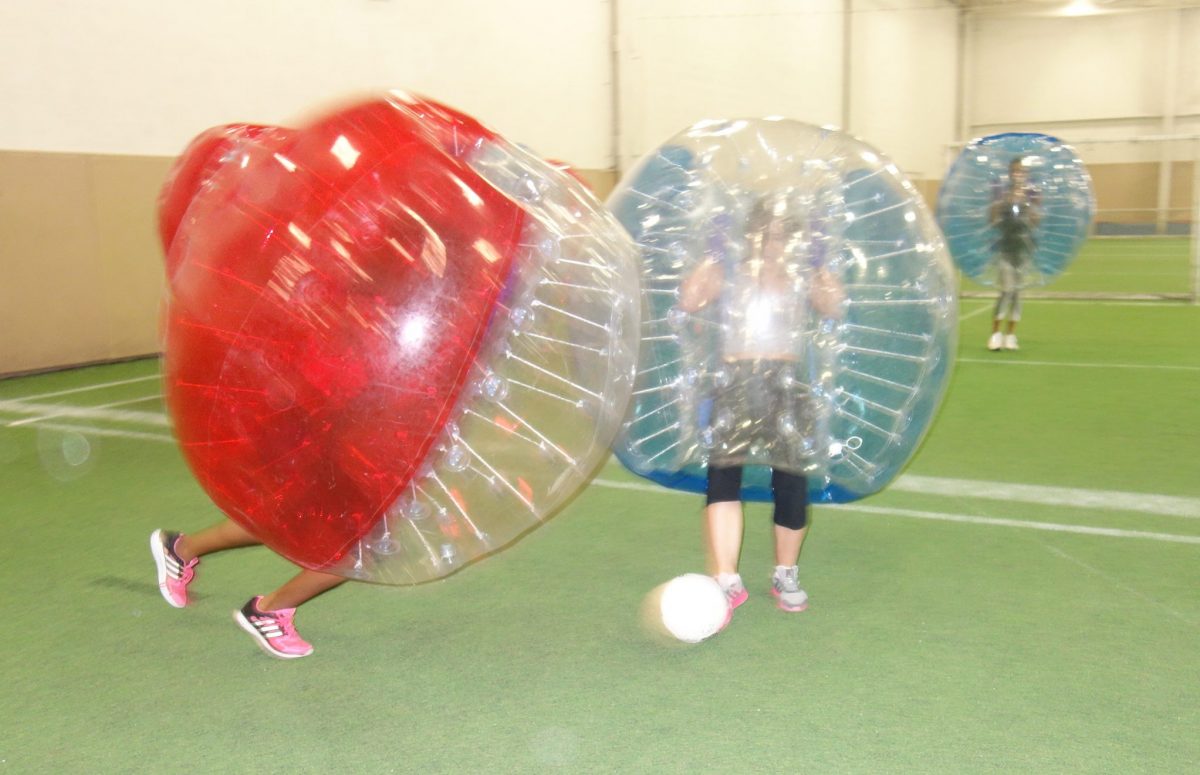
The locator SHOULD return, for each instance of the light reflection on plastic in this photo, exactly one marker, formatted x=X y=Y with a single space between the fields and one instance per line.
x=487 y=250
x=299 y=234
x=345 y=152
x=413 y=332
x=468 y=192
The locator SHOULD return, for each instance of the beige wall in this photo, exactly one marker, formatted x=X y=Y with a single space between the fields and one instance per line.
x=1126 y=193
x=602 y=182
x=80 y=266
x=80 y=270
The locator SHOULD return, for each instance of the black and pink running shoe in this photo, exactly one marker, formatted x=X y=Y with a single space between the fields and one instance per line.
x=273 y=631
x=786 y=589
x=174 y=574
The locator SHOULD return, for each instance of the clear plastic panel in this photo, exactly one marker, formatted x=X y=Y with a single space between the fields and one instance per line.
x=799 y=309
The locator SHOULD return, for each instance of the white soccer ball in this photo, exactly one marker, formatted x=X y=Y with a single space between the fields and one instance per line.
x=693 y=607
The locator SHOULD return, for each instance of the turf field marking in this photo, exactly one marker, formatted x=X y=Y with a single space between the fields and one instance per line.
x=1113 y=303
x=1043 y=495
x=1097 y=302
x=637 y=487
x=944 y=517
x=1150 y=503
x=1079 y=365
x=1054 y=527
x=1116 y=582
x=85 y=388
x=975 y=312
x=91 y=430
x=1163 y=256
x=83 y=412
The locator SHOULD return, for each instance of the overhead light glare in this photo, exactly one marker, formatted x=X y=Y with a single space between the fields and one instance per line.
x=1080 y=8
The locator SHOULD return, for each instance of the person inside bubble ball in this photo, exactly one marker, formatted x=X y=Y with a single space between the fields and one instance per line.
x=267 y=618
x=765 y=298
x=1014 y=214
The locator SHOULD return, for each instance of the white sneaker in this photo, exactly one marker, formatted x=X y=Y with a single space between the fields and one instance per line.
x=1010 y=342
x=996 y=341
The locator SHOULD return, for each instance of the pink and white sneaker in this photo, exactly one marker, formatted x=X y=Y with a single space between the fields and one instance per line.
x=788 y=594
x=273 y=631
x=734 y=589
x=174 y=574
x=735 y=593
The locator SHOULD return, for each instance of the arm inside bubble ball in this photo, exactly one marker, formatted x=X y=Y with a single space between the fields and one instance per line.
x=827 y=295
x=1003 y=198
x=995 y=210
x=701 y=286
x=1035 y=207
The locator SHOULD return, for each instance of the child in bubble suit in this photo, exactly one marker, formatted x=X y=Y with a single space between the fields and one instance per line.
x=267 y=618
x=758 y=407
x=1014 y=214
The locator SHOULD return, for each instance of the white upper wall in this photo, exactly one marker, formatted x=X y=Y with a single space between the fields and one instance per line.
x=686 y=60
x=1189 y=63
x=904 y=77
x=1107 y=70
x=145 y=76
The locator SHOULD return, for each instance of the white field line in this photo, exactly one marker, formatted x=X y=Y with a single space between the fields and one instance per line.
x=51 y=416
x=1175 y=304
x=47 y=411
x=1042 y=495
x=1180 y=305
x=1115 y=582
x=1169 y=271
x=97 y=386
x=975 y=312
x=944 y=517
x=1078 y=365
x=1149 y=503
x=91 y=430
x=998 y=522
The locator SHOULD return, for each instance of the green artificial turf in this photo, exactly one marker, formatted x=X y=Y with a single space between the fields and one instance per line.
x=930 y=645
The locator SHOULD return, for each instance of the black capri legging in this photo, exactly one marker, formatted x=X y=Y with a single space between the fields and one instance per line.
x=791 y=493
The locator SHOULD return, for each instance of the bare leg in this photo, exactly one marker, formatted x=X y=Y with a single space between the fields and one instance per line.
x=995 y=325
x=787 y=544
x=223 y=535
x=301 y=588
x=723 y=535
x=1012 y=326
